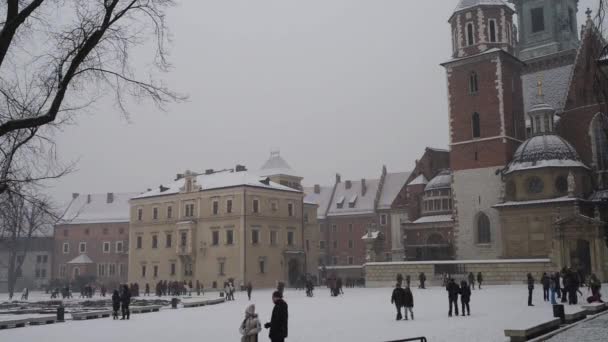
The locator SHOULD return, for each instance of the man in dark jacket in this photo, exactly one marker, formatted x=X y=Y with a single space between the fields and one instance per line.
x=479 y=280
x=472 y=280
x=398 y=298
x=546 y=281
x=422 y=279
x=530 y=289
x=465 y=298
x=115 y=304
x=125 y=300
x=278 y=321
x=453 y=291
x=408 y=302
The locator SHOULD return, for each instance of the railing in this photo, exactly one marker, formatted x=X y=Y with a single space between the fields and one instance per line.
x=419 y=339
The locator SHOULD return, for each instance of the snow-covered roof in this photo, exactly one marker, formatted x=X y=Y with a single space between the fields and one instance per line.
x=488 y=51
x=547 y=150
x=420 y=180
x=81 y=259
x=555 y=87
x=94 y=208
x=364 y=204
x=370 y=235
x=466 y=4
x=321 y=199
x=598 y=196
x=443 y=180
x=536 y=202
x=393 y=183
x=434 y=219
x=276 y=165
x=219 y=180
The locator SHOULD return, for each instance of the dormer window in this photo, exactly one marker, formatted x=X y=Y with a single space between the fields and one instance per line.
x=353 y=201
x=340 y=202
x=470 y=34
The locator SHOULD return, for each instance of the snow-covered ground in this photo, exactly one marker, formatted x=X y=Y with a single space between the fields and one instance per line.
x=364 y=315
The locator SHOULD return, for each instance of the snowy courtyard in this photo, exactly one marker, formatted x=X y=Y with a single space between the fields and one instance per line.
x=360 y=315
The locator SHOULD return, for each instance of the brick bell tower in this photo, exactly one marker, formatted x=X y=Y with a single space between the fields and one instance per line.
x=486 y=119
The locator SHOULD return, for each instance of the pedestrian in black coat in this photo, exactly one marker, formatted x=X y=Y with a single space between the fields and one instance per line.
x=453 y=291
x=530 y=289
x=479 y=280
x=465 y=298
x=408 y=302
x=249 y=289
x=278 y=321
x=398 y=298
x=546 y=281
x=422 y=279
x=558 y=285
x=115 y=304
x=125 y=300
x=408 y=280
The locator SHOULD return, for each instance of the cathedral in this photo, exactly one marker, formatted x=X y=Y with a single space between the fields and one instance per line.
x=528 y=134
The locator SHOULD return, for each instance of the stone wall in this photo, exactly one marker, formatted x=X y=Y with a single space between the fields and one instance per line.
x=495 y=272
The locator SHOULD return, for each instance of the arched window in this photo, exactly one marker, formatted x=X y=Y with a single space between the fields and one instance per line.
x=473 y=83
x=470 y=35
x=475 y=125
x=599 y=141
x=492 y=30
x=483 y=229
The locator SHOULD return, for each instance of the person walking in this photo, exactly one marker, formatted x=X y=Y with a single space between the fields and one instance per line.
x=465 y=298
x=147 y=289
x=278 y=320
x=398 y=298
x=453 y=291
x=422 y=279
x=530 y=289
x=479 y=280
x=408 y=302
x=546 y=282
x=472 y=280
x=115 y=304
x=408 y=280
x=552 y=289
x=249 y=289
x=250 y=327
x=125 y=300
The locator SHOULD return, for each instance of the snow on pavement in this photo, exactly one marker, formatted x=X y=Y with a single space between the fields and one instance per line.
x=361 y=315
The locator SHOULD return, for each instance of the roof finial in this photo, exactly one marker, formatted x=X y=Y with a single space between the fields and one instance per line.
x=588 y=13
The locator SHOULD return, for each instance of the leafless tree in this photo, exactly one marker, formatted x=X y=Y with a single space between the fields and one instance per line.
x=59 y=56
x=23 y=219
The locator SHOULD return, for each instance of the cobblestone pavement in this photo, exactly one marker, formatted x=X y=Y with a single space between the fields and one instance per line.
x=592 y=330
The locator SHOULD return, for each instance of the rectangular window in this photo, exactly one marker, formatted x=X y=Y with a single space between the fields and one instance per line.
x=229 y=237
x=168 y=242
x=139 y=242
x=262 y=266
x=305 y=217
x=82 y=247
x=43 y=273
x=122 y=270
x=307 y=245
x=335 y=243
x=444 y=204
x=62 y=270
x=350 y=244
x=140 y=214
x=274 y=206
x=169 y=212
x=184 y=239
x=229 y=206
x=216 y=207
x=538 y=19
x=255 y=236
x=105 y=231
x=143 y=271
x=66 y=248
x=351 y=260
x=383 y=219
x=290 y=238
x=111 y=270
x=256 y=206
x=155 y=271
x=334 y=228
x=350 y=227
x=118 y=246
x=437 y=205
x=37 y=273
x=470 y=34
x=155 y=213
x=273 y=237
x=154 y=241
x=38 y=259
x=106 y=247
x=45 y=259
x=101 y=270
x=321 y=244
x=215 y=237
x=221 y=267
x=334 y=260
x=290 y=209
x=172 y=269
x=188 y=269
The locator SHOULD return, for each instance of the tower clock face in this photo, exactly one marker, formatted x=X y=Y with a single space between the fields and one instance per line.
x=535 y=185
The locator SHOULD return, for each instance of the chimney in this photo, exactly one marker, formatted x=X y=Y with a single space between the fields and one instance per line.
x=363 y=187
x=209 y=171
x=110 y=197
x=240 y=168
x=317 y=189
x=338 y=178
x=348 y=184
x=75 y=195
x=88 y=198
x=179 y=176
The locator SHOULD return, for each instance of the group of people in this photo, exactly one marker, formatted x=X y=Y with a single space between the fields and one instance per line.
x=229 y=290
x=251 y=327
x=565 y=285
x=403 y=298
x=175 y=288
x=464 y=291
x=335 y=286
x=121 y=301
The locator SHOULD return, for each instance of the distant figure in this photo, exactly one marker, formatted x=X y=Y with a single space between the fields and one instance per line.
x=421 y=279
x=558 y=284
x=408 y=302
x=479 y=280
x=249 y=289
x=198 y=288
x=472 y=280
x=125 y=300
x=408 y=280
x=278 y=320
x=546 y=282
x=465 y=298
x=25 y=294
x=147 y=293
x=530 y=289
x=115 y=304
x=250 y=327
x=552 y=288
x=453 y=291
x=398 y=298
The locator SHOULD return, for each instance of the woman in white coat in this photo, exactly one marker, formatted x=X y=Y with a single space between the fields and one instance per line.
x=251 y=326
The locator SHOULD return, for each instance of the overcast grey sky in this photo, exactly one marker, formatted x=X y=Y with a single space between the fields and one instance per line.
x=337 y=85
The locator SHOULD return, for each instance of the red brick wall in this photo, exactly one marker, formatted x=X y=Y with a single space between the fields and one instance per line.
x=488 y=13
x=342 y=235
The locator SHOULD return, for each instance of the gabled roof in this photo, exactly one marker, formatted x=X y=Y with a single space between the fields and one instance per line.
x=94 y=208
x=393 y=183
x=276 y=165
x=579 y=218
x=321 y=199
x=364 y=204
x=81 y=259
x=420 y=180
